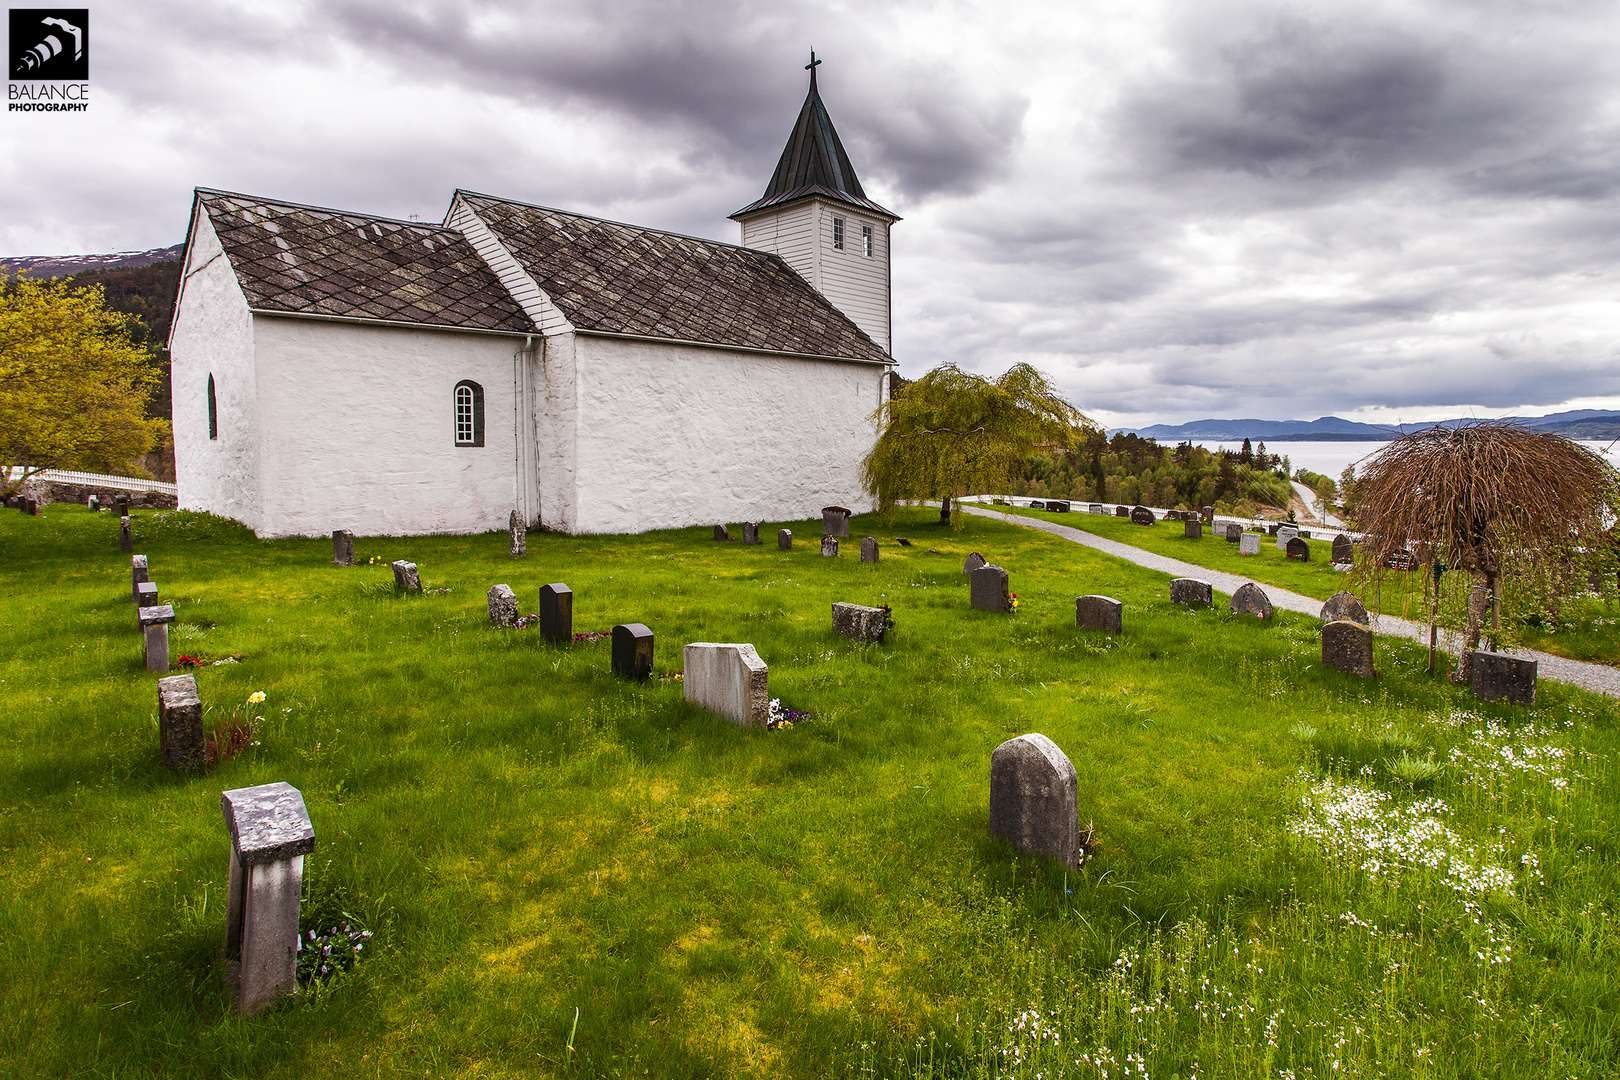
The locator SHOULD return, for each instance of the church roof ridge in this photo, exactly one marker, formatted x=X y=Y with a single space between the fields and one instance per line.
x=606 y=220
x=292 y=205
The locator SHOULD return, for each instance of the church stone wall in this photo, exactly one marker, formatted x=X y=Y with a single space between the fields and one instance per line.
x=213 y=335
x=359 y=429
x=676 y=435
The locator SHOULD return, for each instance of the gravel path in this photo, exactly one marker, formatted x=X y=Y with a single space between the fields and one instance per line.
x=1599 y=678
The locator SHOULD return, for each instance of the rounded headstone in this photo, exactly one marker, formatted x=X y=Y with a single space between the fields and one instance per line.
x=1343 y=550
x=1190 y=592
x=1344 y=605
x=1348 y=646
x=972 y=562
x=784 y=539
x=1192 y=528
x=1298 y=548
x=1141 y=515
x=1034 y=798
x=1122 y=511
x=988 y=589
x=1099 y=613
x=1251 y=600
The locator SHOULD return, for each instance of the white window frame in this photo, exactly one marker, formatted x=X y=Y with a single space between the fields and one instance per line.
x=866 y=240
x=838 y=234
x=466 y=406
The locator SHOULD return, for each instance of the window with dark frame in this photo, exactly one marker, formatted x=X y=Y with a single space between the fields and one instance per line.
x=866 y=240
x=213 y=411
x=838 y=233
x=469 y=407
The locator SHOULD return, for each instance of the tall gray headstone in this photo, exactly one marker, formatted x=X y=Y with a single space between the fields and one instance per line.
x=858 y=623
x=1192 y=528
x=1285 y=533
x=829 y=546
x=834 y=521
x=343 y=547
x=1501 y=677
x=1190 y=592
x=137 y=574
x=784 y=539
x=869 y=549
x=1348 y=646
x=180 y=724
x=503 y=607
x=988 y=589
x=750 y=532
x=728 y=678
x=406 y=577
x=517 y=533
x=1249 y=544
x=270 y=835
x=1343 y=605
x=1099 y=613
x=1250 y=599
x=155 y=632
x=1034 y=798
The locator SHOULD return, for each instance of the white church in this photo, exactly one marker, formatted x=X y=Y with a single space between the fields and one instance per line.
x=334 y=370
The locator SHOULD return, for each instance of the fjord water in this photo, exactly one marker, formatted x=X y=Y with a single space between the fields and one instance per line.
x=1330 y=458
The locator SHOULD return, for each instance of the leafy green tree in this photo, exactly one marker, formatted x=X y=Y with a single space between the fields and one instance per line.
x=952 y=433
x=73 y=385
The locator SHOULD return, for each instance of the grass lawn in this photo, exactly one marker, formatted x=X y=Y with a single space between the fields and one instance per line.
x=1298 y=873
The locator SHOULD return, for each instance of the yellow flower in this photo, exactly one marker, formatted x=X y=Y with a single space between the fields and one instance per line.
x=255 y=697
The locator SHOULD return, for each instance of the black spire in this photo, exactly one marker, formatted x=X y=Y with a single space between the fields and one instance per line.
x=814 y=162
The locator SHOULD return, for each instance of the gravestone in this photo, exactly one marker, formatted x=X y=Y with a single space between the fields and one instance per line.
x=1500 y=677
x=750 y=532
x=1343 y=550
x=1192 y=528
x=1037 y=504
x=1401 y=560
x=557 y=613
x=270 y=835
x=721 y=533
x=146 y=594
x=1285 y=534
x=863 y=624
x=126 y=541
x=1306 y=533
x=31 y=507
x=121 y=502
x=1271 y=530
x=902 y=541
x=1249 y=544
x=1141 y=515
x=1190 y=592
x=137 y=574
x=517 y=536
x=834 y=521
x=343 y=547
x=784 y=539
x=1034 y=798
x=1298 y=548
x=972 y=562
x=632 y=651
x=1251 y=600
x=1095 y=508
x=406 y=577
x=155 y=632
x=1122 y=511
x=503 y=607
x=1343 y=605
x=869 y=549
x=729 y=679
x=180 y=724
x=987 y=587
x=1234 y=533
x=1099 y=613
x=1207 y=515
x=829 y=546
x=1348 y=646
x=1060 y=506
x=93 y=503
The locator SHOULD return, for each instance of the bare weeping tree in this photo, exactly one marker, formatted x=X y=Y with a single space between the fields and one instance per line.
x=1488 y=498
x=952 y=433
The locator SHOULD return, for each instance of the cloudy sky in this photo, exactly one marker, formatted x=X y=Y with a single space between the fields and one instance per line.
x=1177 y=210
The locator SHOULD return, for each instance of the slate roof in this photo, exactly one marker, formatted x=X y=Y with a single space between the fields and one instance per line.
x=814 y=163
x=305 y=260
x=623 y=279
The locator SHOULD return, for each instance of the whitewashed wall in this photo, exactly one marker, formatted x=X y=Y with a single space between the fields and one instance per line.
x=358 y=426
x=213 y=334
x=675 y=435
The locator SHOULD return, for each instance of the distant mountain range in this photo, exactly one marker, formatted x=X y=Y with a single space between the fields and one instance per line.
x=47 y=266
x=1576 y=424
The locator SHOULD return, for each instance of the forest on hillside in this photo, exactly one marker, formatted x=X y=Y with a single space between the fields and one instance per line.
x=1130 y=469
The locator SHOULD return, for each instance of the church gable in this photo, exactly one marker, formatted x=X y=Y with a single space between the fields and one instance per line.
x=610 y=278
x=300 y=260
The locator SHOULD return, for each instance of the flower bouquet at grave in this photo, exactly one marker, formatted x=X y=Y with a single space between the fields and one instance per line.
x=780 y=717
x=590 y=637
x=1012 y=601
x=323 y=954
x=236 y=732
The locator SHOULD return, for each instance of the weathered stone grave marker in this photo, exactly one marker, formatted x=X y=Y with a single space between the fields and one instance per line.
x=1141 y=515
x=1343 y=550
x=1034 y=798
x=1122 y=511
x=1348 y=646
x=1095 y=508
x=721 y=533
x=126 y=540
x=557 y=613
x=858 y=623
x=503 y=607
x=270 y=835
x=1234 y=534
x=1190 y=592
x=1500 y=677
x=137 y=574
x=835 y=521
x=987 y=586
x=1251 y=600
x=1298 y=548
x=869 y=549
x=750 y=532
x=517 y=536
x=121 y=502
x=829 y=546
x=1343 y=605
x=1099 y=613
x=973 y=562
x=1192 y=528
x=1206 y=514
x=784 y=539
x=1060 y=506
x=632 y=651
x=155 y=622
x=1249 y=544
x=1037 y=504
x=180 y=724
x=343 y=547
x=146 y=594
x=729 y=679
x=406 y=577
x=1285 y=534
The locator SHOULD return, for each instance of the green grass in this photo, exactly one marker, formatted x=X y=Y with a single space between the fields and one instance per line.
x=528 y=836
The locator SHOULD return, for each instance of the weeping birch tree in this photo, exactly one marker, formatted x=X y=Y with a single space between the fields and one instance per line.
x=953 y=433
x=1489 y=500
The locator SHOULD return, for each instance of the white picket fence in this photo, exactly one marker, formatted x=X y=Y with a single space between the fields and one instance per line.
x=90 y=479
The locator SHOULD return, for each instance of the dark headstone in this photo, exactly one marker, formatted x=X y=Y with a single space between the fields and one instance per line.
x=1348 y=646
x=121 y=503
x=1343 y=605
x=869 y=549
x=31 y=507
x=1141 y=515
x=972 y=562
x=1401 y=560
x=1343 y=550
x=829 y=546
x=721 y=533
x=343 y=547
x=1299 y=548
x=750 y=532
x=1034 y=798
x=1190 y=592
x=863 y=624
x=406 y=577
x=834 y=521
x=1122 y=511
x=517 y=535
x=1037 y=504
x=784 y=539
x=1271 y=530
x=1060 y=506
x=1500 y=677
x=1234 y=533
x=126 y=541
x=1099 y=613
x=1207 y=515
x=1192 y=528
x=1251 y=600
x=137 y=574
x=503 y=607
x=632 y=651
x=988 y=589
x=557 y=613
x=180 y=724
x=902 y=541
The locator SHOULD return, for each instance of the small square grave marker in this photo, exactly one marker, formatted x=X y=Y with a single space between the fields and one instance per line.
x=863 y=624
x=557 y=612
x=406 y=577
x=1249 y=544
x=1234 y=534
x=180 y=724
x=1500 y=677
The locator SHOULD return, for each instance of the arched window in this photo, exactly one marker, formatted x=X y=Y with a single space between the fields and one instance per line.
x=469 y=399
x=213 y=411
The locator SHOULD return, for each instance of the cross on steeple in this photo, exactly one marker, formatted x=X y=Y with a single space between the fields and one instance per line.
x=811 y=68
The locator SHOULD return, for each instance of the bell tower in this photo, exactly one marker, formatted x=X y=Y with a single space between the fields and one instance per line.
x=816 y=217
